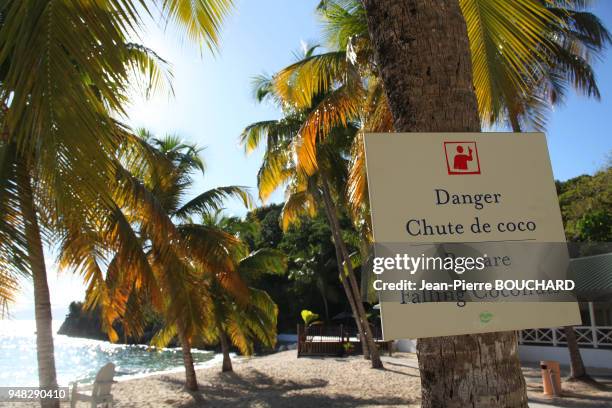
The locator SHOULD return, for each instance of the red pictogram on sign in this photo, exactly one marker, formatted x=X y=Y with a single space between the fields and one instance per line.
x=462 y=158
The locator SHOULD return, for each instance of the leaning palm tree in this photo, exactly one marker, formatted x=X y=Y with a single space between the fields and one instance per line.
x=196 y=247
x=33 y=212
x=297 y=133
x=230 y=316
x=65 y=72
x=149 y=259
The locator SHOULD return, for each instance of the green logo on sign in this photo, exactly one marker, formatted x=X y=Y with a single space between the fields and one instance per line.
x=485 y=317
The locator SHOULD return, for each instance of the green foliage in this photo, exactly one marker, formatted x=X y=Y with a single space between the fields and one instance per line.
x=271 y=233
x=595 y=226
x=586 y=207
x=311 y=281
x=348 y=347
x=309 y=317
x=261 y=262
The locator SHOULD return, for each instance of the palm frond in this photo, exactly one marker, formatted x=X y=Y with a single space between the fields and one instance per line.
x=14 y=262
x=156 y=70
x=263 y=88
x=271 y=132
x=342 y=21
x=297 y=204
x=336 y=109
x=239 y=335
x=164 y=336
x=507 y=41
x=298 y=84
x=213 y=200
x=357 y=186
x=261 y=317
x=261 y=262
x=276 y=169
x=200 y=20
x=210 y=246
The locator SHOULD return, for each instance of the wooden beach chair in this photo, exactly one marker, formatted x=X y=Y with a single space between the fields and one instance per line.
x=101 y=391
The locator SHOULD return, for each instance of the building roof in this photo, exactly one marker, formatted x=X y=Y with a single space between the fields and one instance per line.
x=592 y=273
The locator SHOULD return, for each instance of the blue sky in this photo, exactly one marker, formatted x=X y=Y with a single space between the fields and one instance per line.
x=213 y=95
x=579 y=138
x=213 y=103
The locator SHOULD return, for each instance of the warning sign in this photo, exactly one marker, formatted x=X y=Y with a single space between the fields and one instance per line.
x=419 y=198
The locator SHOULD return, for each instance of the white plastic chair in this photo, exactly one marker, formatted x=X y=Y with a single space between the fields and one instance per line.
x=101 y=391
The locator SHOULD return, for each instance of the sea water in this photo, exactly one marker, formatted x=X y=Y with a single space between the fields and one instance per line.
x=79 y=359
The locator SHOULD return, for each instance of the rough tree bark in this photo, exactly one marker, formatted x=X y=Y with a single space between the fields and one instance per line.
x=42 y=302
x=423 y=56
x=330 y=209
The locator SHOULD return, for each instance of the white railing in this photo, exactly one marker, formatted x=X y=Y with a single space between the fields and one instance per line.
x=587 y=336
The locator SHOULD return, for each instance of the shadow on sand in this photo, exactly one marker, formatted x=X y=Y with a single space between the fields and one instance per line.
x=260 y=390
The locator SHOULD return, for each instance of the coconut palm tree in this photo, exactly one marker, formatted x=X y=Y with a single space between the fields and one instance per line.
x=294 y=137
x=230 y=319
x=173 y=275
x=65 y=72
x=483 y=369
x=32 y=214
x=149 y=259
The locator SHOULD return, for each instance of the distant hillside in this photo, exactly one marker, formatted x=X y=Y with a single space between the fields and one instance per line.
x=586 y=207
x=87 y=324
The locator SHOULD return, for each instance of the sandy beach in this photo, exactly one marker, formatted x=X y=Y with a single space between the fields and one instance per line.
x=282 y=380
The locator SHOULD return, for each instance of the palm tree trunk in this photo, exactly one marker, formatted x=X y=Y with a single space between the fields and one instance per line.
x=514 y=122
x=423 y=55
x=42 y=302
x=325 y=305
x=191 y=381
x=578 y=372
x=347 y=290
x=349 y=295
x=354 y=288
x=227 y=361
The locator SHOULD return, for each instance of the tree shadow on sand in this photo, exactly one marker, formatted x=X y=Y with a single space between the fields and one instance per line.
x=261 y=390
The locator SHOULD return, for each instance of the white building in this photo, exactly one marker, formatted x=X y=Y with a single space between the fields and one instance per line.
x=592 y=274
